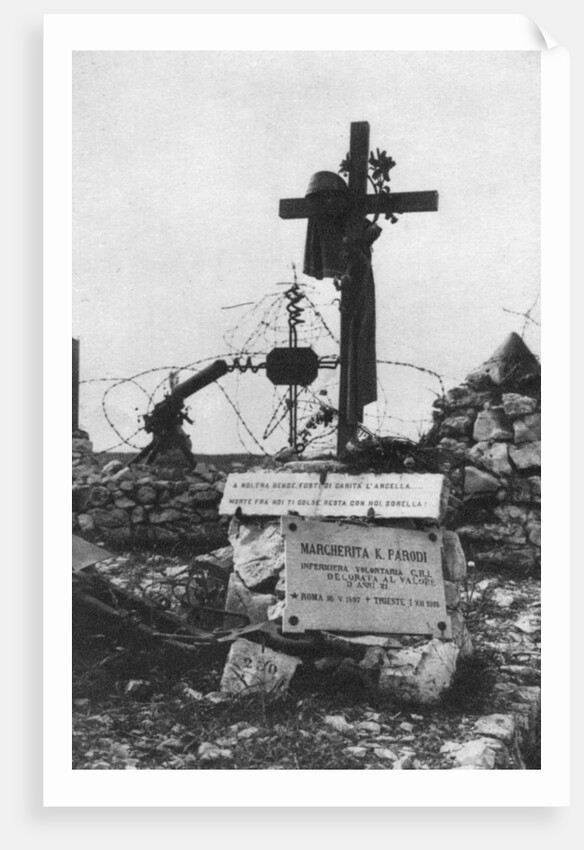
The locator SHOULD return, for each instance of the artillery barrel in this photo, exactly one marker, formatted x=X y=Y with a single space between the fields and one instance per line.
x=201 y=379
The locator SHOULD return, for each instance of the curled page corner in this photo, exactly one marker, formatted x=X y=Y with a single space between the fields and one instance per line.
x=544 y=39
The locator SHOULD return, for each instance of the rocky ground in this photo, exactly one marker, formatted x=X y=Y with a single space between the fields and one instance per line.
x=134 y=709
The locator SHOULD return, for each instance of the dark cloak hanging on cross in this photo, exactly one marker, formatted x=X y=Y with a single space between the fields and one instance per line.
x=328 y=253
x=339 y=243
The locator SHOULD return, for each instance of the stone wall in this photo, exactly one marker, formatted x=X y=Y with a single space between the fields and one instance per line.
x=490 y=426
x=84 y=460
x=124 y=506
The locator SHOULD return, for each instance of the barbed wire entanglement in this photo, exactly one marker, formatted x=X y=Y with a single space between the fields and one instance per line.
x=293 y=314
x=527 y=316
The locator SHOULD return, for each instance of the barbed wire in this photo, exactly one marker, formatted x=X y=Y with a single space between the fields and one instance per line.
x=527 y=317
x=419 y=369
x=308 y=402
x=264 y=325
x=243 y=422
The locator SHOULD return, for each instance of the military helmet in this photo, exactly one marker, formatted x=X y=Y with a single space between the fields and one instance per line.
x=325 y=181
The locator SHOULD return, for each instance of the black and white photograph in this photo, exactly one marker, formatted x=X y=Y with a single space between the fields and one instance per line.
x=305 y=287
x=306 y=410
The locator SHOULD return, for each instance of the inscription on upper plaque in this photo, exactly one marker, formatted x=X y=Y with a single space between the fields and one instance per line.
x=336 y=495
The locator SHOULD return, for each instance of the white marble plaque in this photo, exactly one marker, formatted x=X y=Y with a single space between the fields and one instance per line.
x=336 y=494
x=354 y=578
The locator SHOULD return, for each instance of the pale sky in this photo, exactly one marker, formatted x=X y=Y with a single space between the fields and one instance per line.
x=180 y=159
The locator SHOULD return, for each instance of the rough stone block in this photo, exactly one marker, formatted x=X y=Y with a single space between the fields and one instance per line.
x=516 y=405
x=494 y=457
x=479 y=754
x=526 y=456
x=478 y=483
x=534 y=533
x=465 y=396
x=535 y=484
x=209 y=752
x=167 y=515
x=207 y=514
x=453 y=557
x=407 y=762
x=205 y=497
x=276 y=611
x=181 y=502
x=457 y=426
x=124 y=502
x=199 y=487
x=500 y=726
x=528 y=429
x=258 y=553
x=492 y=424
x=98 y=497
x=492 y=533
x=374 y=658
x=81 y=445
x=457 y=448
x=114 y=518
x=251 y=668
x=512 y=514
x=86 y=522
x=112 y=466
x=222 y=558
x=523 y=558
x=138 y=514
x=240 y=600
x=80 y=498
x=146 y=495
x=521 y=491
x=161 y=483
x=419 y=674
x=501 y=597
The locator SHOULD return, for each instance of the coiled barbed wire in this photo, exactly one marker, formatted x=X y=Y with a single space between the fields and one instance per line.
x=239 y=365
x=294 y=296
x=269 y=321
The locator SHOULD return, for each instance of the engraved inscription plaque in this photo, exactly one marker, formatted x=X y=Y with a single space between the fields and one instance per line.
x=344 y=577
x=336 y=494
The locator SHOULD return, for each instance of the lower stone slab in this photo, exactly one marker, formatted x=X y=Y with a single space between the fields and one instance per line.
x=251 y=668
x=240 y=600
x=419 y=674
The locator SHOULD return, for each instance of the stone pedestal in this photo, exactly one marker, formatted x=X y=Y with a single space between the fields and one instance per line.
x=403 y=667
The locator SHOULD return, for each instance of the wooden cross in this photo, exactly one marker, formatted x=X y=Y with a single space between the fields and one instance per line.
x=355 y=207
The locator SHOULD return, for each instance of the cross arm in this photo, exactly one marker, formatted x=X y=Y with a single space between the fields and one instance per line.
x=386 y=203
x=401 y=202
x=311 y=206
